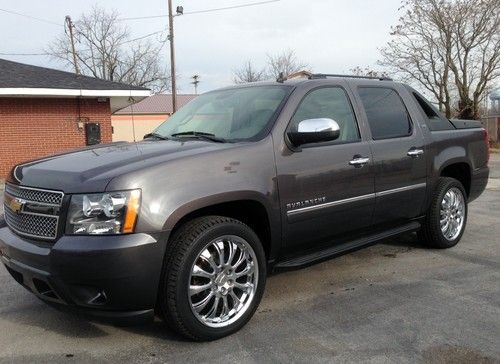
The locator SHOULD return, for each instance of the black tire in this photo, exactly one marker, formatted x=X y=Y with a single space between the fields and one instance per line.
x=183 y=249
x=430 y=233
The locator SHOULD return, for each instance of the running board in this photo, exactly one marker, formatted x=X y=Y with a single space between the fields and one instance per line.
x=333 y=251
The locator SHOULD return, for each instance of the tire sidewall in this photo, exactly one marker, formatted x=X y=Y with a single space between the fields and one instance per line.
x=436 y=213
x=181 y=290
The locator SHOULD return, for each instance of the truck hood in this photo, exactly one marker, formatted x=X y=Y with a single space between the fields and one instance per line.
x=91 y=169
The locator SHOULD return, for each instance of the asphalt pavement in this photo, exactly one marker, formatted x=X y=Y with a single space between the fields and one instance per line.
x=394 y=302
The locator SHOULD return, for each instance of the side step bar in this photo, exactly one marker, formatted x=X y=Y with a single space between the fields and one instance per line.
x=333 y=251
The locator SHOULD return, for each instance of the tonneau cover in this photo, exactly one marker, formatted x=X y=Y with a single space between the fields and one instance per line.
x=466 y=124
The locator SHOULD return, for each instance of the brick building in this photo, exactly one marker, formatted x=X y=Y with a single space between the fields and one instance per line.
x=45 y=111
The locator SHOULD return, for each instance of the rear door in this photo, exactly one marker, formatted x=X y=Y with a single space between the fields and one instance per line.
x=398 y=152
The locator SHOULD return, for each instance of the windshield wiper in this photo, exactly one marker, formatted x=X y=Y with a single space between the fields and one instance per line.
x=155 y=135
x=200 y=135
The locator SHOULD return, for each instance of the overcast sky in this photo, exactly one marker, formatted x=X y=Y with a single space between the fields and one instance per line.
x=332 y=36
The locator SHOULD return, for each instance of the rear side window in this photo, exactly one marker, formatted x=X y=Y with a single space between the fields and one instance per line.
x=433 y=120
x=331 y=103
x=387 y=115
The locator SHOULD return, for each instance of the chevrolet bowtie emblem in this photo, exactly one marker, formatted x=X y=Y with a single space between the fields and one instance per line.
x=16 y=204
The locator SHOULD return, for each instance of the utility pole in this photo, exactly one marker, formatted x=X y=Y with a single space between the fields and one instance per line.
x=172 y=55
x=196 y=81
x=70 y=26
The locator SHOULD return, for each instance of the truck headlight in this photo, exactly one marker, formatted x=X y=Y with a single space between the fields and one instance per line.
x=103 y=213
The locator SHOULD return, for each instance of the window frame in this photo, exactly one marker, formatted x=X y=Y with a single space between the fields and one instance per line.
x=329 y=143
x=446 y=122
x=362 y=105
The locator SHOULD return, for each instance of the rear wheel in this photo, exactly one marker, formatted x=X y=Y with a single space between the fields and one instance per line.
x=213 y=278
x=446 y=218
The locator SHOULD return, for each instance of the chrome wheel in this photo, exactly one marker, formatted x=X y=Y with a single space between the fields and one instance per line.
x=223 y=281
x=452 y=213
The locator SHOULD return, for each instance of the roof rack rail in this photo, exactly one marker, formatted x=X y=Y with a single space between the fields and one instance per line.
x=316 y=76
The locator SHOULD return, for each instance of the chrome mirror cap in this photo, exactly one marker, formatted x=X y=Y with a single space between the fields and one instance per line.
x=314 y=131
x=318 y=125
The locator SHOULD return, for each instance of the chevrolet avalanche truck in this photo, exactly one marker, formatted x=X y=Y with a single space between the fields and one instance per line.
x=242 y=181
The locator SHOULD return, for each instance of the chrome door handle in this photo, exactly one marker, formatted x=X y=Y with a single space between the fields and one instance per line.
x=415 y=152
x=359 y=162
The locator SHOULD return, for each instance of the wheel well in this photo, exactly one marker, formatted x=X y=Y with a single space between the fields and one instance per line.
x=459 y=171
x=251 y=213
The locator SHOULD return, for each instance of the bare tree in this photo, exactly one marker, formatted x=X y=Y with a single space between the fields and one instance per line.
x=477 y=52
x=368 y=72
x=285 y=62
x=248 y=73
x=450 y=48
x=106 y=50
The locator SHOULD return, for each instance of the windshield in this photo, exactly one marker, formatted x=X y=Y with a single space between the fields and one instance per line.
x=231 y=115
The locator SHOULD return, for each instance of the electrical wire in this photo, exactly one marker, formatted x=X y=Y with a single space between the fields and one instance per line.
x=142 y=37
x=82 y=50
x=31 y=17
x=202 y=11
x=25 y=54
x=230 y=7
x=135 y=18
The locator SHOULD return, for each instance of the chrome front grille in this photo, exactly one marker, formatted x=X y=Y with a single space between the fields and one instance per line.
x=33 y=212
x=35 y=195
x=32 y=225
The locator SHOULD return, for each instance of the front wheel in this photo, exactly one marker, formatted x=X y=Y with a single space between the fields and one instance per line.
x=213 y=279
x=446 y=218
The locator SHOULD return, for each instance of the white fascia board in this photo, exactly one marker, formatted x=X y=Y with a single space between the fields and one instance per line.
x=72 y=92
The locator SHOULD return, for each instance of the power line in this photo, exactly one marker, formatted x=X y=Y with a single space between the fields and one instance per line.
x=139 y=38
x=231 y=7
x=202 y=11
x=82 y=50
x=136 y=18
x=25 y=54
x=31 y=17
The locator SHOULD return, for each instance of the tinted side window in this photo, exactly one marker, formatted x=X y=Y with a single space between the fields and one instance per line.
x=332 y=103
x=387 y=115
x=433 y=120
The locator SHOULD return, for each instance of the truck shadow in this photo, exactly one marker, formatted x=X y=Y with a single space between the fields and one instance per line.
x=406 y=240
x=34 y=313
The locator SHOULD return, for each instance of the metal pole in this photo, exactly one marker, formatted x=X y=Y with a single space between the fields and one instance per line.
x=195 y=82
x=172 y=55
x=70 y=27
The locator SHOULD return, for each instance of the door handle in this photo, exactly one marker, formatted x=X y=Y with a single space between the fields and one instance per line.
x=359 y=162
x=415 y=153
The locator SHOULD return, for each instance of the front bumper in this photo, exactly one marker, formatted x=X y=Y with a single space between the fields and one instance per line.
x=103 y=276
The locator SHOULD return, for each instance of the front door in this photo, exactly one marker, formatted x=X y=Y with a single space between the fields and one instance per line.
x=326 y=189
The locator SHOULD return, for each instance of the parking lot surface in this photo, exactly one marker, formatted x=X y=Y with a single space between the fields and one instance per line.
x=393 y=302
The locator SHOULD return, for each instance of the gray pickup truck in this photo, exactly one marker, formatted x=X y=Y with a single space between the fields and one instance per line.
x=242 y=181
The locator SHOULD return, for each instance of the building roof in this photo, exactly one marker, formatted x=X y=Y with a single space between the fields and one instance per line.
x=24 y=80
x=20 y=75
x=156 y=104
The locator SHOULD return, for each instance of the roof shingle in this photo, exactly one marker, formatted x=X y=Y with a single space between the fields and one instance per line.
x=20 y=75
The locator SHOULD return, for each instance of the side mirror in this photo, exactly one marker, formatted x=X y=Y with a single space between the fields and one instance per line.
x=314 y=131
